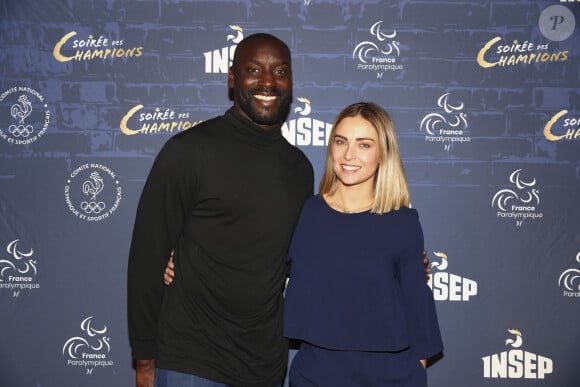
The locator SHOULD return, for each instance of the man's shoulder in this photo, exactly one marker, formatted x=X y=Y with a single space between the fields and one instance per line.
x=297 y=153
x=302 y=167
x=189 y=142
x=208 y=128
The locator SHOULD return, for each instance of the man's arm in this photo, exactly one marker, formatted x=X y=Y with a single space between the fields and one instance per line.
x=170 y=270
x=145 y=373
x=159 y=221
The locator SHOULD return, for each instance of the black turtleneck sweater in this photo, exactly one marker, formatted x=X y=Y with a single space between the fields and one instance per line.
x=225 y=195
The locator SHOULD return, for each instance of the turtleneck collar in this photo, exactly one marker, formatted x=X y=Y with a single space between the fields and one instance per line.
x=250 y=132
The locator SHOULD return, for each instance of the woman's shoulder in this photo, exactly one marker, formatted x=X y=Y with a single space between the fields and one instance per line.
x=405 y=218
x=314 y=206
x=405 y=213
x=313 y=202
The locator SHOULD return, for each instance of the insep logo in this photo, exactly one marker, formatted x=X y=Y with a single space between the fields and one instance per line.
x=448 y=286
x=305 y=130
x=219 y=61
x=516 y=363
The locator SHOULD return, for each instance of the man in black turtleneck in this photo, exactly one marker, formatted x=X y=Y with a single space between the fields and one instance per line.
x=225 y=196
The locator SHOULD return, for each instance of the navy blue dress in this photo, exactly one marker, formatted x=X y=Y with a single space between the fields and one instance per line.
x=357 y=299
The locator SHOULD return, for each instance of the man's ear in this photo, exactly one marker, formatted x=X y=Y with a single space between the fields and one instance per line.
x=231 y=78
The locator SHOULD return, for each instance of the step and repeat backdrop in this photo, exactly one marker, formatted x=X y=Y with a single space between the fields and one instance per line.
x=485 y=96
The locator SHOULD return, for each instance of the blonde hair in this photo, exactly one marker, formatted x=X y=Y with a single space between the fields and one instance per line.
x=391 y=189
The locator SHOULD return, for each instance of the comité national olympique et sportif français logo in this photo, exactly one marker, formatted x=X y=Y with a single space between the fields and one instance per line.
x=25 y=114
x=447 y=126
x=18 y=269
x=448 y=286
x=516 y=363
x=380 y=53
x=569 y=281
x=93 y=192
x=306 y=130
x=219 y=61
x=90 y=349
x=519 y=202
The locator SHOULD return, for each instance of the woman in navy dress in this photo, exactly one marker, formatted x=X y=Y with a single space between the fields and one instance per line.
x=357 y=300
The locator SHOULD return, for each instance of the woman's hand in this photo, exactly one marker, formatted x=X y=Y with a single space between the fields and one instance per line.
x=169 y=271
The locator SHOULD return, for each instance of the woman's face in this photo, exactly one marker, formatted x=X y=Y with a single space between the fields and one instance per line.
x=355 y=151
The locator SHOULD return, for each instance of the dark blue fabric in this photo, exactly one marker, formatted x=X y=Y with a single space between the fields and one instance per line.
x=168 y=378
x=319 y=367
x=358 y=282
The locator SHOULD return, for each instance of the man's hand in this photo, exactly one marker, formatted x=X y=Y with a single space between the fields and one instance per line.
x=145 y=375
x=169 y=272
x=426 y=263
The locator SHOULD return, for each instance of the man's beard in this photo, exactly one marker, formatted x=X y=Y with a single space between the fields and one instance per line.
x=271 y=117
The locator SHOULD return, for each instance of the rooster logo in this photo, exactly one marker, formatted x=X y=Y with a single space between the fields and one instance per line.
x=364 y=49
x=525 y=193
x=20 y=111
x=92 y=188
x=304 y=111
x=237 y=38
x=517 y=341
x=96 y=340
x=20 y=264
x=440 y=265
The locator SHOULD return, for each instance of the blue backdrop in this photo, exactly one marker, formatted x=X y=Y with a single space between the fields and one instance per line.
x=485 y=96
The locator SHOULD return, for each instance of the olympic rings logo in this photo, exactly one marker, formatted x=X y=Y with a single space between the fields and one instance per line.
x=93 y=207
x=21 y=130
